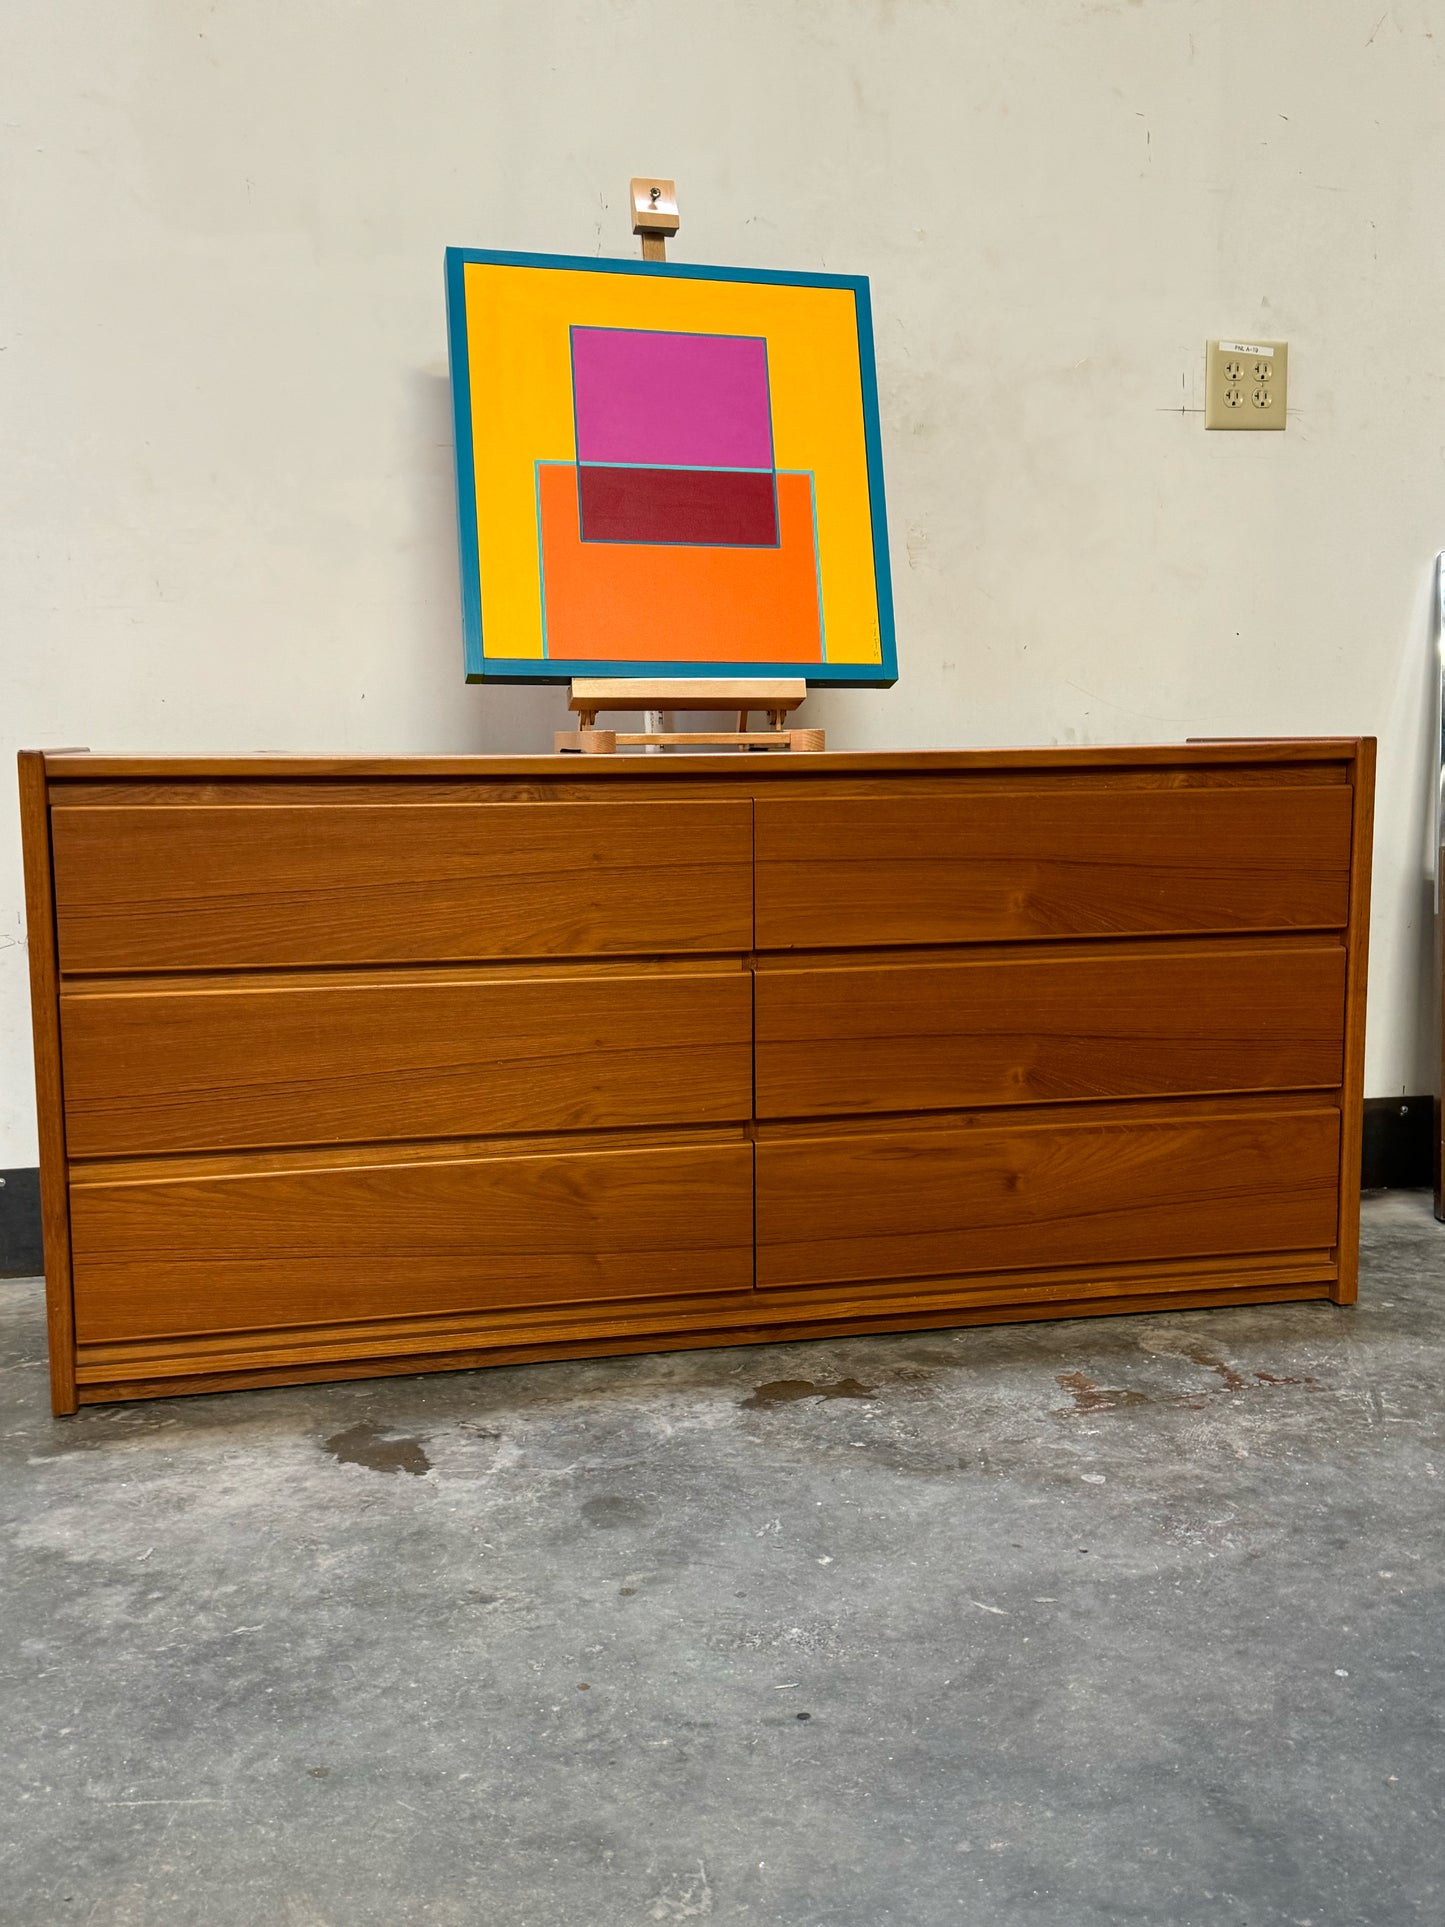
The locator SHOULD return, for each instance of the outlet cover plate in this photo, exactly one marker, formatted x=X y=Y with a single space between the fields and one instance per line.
x=1246 y=384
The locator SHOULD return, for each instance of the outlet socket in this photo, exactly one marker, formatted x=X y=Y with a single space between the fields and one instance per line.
x=1246 y=384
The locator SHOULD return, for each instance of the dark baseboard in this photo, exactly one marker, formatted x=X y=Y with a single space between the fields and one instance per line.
x=20 y=1255
x=1398 y=1154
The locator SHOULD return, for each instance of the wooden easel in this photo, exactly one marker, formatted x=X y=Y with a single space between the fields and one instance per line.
x=591 y=696
x=654 y=217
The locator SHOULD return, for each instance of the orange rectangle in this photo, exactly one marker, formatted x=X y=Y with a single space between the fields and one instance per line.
x=664 y=602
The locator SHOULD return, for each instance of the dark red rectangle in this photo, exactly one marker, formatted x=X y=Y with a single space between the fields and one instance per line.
x=710 y=507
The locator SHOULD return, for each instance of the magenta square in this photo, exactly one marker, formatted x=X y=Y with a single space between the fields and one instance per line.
x=671 y=400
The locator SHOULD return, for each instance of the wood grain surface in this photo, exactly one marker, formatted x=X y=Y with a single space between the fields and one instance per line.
x=476 y=1358
x=299 y=1246
x=243 y=1062
x=716 y=1318
x=64 y=765
x=1352 y=1095
x=701 y=778
x=911 y=1201
x=1050 y=1026
x=157 y=889
x=364 y=1065
x=49 y=1081
x=965 y=868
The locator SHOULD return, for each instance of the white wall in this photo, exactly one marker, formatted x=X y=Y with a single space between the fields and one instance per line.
x=225 y=488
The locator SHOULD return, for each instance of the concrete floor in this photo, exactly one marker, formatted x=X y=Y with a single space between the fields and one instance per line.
x=1126 y=1620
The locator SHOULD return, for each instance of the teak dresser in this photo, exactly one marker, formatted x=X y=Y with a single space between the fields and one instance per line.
x=350 y=1066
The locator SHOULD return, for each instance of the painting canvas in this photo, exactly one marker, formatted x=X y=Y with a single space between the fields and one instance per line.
x=665 y=469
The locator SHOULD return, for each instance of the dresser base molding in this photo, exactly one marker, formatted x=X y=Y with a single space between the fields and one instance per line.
x=115 y=1392
x=232 y=1361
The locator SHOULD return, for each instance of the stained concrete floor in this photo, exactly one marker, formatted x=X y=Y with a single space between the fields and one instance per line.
x=1128 y=1620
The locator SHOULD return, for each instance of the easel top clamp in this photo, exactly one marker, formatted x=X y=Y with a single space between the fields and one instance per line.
x=654 y=217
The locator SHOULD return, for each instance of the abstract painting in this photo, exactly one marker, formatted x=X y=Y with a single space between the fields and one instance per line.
x=665 y=469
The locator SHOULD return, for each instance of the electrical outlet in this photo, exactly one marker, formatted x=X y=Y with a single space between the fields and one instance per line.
x=1246 y=384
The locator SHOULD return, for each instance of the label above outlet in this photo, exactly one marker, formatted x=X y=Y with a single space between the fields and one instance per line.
x=1246 y=348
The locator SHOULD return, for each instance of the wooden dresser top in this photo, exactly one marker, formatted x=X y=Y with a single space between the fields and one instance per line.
x=89 y=765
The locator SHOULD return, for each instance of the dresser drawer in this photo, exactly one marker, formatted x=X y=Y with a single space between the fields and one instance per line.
x=1051 y=1024
x=246 y=1062
x=971 y=865
x=167 y=888
x=932 y=1201
x=247 y=1249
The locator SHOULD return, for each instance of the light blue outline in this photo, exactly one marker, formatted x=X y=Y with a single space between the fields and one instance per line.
x=572 y=327
x=770 y=547
x=692 y=334
x=542 y=669
x=773 y=452
x=537 y=468
x=817 y=556
x=688 y=334
x=691 y=468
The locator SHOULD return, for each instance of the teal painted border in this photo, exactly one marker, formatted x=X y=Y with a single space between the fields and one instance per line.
x=461 y=374
x=533 y=669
